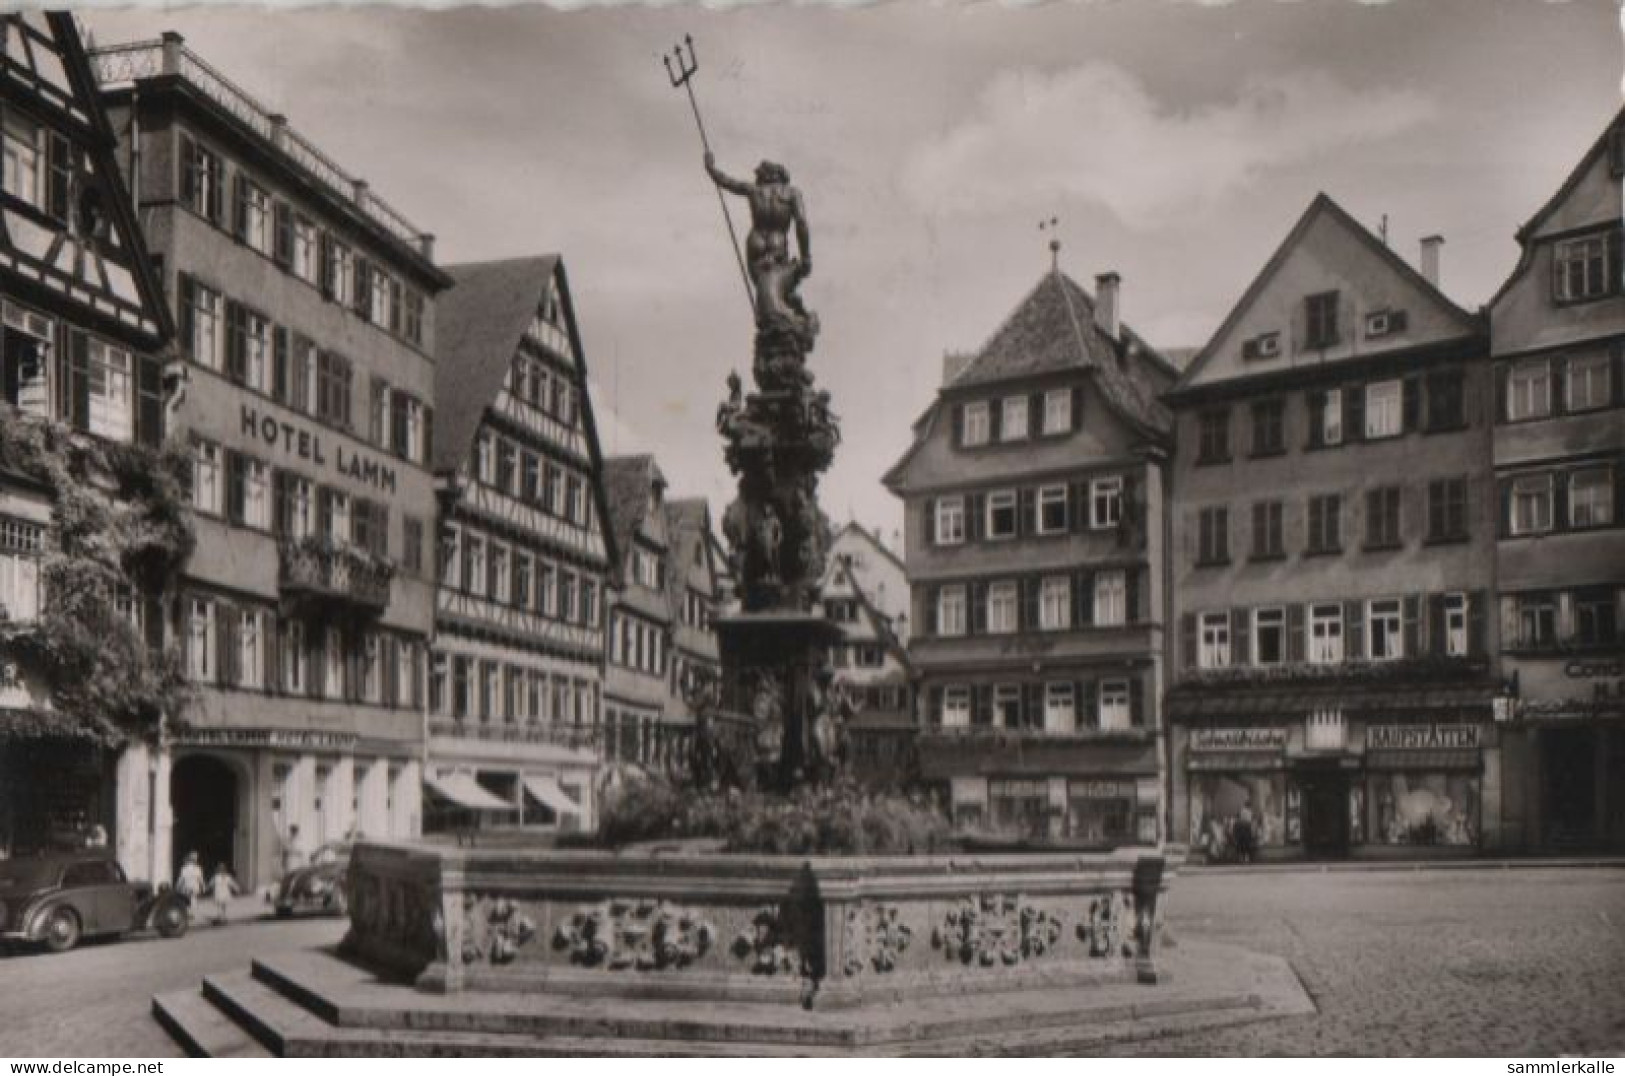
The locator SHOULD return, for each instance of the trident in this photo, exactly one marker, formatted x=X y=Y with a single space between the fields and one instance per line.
x=683 y=75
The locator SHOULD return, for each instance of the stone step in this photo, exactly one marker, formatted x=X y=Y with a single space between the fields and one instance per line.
x=201 y=1029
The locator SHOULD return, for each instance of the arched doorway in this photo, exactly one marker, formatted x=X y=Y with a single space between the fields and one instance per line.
x=203 y=797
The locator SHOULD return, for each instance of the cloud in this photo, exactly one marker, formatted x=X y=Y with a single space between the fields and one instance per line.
x=1096 y=134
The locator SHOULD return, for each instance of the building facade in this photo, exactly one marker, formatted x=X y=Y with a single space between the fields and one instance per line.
x=1034 y=540
x=691 y=587
x=1332 y=561
x=515 y=675
x=305 y=316
x=1557 y=333
x=641 y=729
x=83 y=334
x=865 y=591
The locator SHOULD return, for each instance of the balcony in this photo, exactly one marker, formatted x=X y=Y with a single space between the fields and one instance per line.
x=318 y=573
x=567 y=736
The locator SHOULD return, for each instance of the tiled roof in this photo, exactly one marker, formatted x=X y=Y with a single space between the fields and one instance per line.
x=478 y=323
x=1053 y=329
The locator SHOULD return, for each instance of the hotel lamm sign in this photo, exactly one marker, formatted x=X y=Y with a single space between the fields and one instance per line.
x=306 y=445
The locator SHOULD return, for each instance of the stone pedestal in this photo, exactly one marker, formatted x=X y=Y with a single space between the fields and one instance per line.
x=770 y=664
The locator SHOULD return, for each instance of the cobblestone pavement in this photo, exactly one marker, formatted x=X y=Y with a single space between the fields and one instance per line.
x=1475 y=962
x=1460 y=962
x=97 y=1000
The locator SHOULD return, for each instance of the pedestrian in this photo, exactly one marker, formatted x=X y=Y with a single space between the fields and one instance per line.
x=223 y=887
x=1245 y=834
x=189 y=882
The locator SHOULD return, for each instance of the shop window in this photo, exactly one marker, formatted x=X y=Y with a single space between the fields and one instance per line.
x=1019 y=807
x=1423 y=808
x=1001 y=514
x=1215 y=641
x=1326 y=633
x=1100 y=811
x=1384 y=629
x=1269 y=636
x=1217 y=801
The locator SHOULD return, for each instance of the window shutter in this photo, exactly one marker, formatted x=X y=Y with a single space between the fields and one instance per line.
x=934 y=704
x=982 y=704
x=1410 y=625
x=1077 y=407
x=1503 y=520
x=428 y=435
x=1617 y=378
x=79 y=385
x=234 y=486
x=361 y=301
x=188 y=170
x=325 y=268
x=932 y=621
x=1354 y=413
x=1026 y=507
x=1560 y=501
x=1410 y=402
x=1295 y=634
x=149 y=405
x=1434 y=628
x=187 y=298
x=1032 y=705
x=1029 y=602
x=1502 y=373
x=271 y=633
x=324 y=512
x=1241 y=637
x=1129 y=521
x=236 y=332
x=978 y=608
x=930 y=527
x=1136 y=702
x=280 y=507
x=1317 y=418
x=1353 y=631
x=975 y=516
x=1088 y=704
x=223 y=616
x=1083 y=599
x=1131 y=596
x=239 y=215
x=1078 y=494
x=959 y=423
x=59 y=169
x=1187 y=640
x=1035 y=414
x=279 y=363
x=388 y=653
x=995 y=420
x=1613 y=263
x=1477 y=605
x=282 y=244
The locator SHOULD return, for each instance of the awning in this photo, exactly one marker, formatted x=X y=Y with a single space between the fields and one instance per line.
x=464 y=791
x=547 y=792
x=1443 y=759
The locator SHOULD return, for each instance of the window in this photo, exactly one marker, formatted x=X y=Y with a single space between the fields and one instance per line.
x=1589 y=384
x=1325 y=523
x=1001 y=608
x=1326 y=418
x=1111 y=596
x=1382 y=518
x=1007 y=706
x=1455 y=625
x=254 y=489
x=1581 y=270
x=1269 y=636
x=474 y=564
x=1529 y=391
x=338 y=517
x=1268 y=433
x=1013 y=418
x=333 y=389
x=955 y=707
x=507 y=461
x=22 y=146
x=1057 y=410
x=1537 y=621
x=108 y=375
x=406 y=426
x=1384 y=626
x=1051 y=509
x=303 y=257
x=200 y=640
x=250 y=650
x=202 y=180
x=253 y=215
x=341 y=271
x=1214 y=645
x=1267 y=541
x=951 y=611
x=250 y=348
x=1060 y=707
x=1114 y=705
x=1446 y=401
x=1055 y=603
x=1531 y=504
x=1384 y=409
x=1591 y=497
x=298 y=518
x=1326 y=633
x=1447 y=510
x=501 y=584
x=1320 y=320
x=1214 y=536
x=295 y=661
x=372 y=668
x=208 y=492
x=413 y=328
x=1213 y=436
x=1001 y=514
x=1105 y=502
x=205 y=341
x=1595 y=618
x=950 y=520
x=21 y=544
x=975 y=431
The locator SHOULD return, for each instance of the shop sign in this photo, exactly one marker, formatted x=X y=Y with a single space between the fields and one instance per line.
x=283 y=738
x=1100 y=790
x=306 y=445
x=1421 y=737
x=1264 y=739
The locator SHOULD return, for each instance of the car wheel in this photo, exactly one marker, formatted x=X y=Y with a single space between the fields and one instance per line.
x=62 y=930
x=284 y=911
x=171 y=921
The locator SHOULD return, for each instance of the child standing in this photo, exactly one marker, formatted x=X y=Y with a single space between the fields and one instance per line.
x=223 y=887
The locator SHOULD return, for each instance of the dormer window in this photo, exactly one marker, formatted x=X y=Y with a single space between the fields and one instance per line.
x=1013 y=424
x=975 y=429
x=1057 y=411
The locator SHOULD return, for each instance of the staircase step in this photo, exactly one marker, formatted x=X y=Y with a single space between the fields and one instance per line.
x=201 y=1029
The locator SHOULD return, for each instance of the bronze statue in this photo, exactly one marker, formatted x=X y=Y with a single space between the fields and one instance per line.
x=775 y=205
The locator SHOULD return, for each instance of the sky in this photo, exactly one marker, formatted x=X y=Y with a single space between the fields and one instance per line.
x=1175 y=142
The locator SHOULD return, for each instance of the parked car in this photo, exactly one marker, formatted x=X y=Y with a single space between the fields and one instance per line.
x=319 y=885
x=60 y=897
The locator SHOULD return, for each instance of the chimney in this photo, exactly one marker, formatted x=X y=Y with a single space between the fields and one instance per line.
x=953 y=364
x=1106 y=303
x=1430 y=258
x=426 y=246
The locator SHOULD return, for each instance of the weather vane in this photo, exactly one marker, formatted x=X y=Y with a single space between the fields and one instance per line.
x=682 y=74
x=1053 y=227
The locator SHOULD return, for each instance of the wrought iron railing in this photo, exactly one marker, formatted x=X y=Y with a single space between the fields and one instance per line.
x=317 y=567
x=119 y=64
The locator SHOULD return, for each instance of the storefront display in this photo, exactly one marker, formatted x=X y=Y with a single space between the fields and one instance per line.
x=1218 y=800
x=1100 y=811
x=1410 y=808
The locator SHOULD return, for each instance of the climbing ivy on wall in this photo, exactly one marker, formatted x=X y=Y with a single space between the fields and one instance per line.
x=119 y=520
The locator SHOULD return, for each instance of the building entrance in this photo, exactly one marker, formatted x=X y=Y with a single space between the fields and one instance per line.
x=1570 y=784
x=1325 y=811
x=203 y=795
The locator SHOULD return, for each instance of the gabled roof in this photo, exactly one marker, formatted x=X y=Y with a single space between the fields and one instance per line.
x=627 y=481
x=869 y=536
x=687 y=516
x=478 y=324
x=1321 y=205
x=879 y=621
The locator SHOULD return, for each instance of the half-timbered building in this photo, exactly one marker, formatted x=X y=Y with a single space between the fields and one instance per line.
x=638 y=644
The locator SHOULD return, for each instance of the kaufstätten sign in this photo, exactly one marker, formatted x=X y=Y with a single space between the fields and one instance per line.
x=1421 y=737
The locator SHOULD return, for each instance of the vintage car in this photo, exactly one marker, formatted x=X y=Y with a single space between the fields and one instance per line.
x=318 y=886
x=58 y=898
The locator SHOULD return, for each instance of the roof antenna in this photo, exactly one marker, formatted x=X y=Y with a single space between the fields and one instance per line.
x=1053 y=226
x=1382 y=229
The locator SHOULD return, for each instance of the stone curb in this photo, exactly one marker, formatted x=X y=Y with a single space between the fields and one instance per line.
x=1407 y=865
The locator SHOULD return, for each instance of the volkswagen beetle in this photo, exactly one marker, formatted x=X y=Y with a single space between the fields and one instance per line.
x=57 y=899
x=318 y=887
